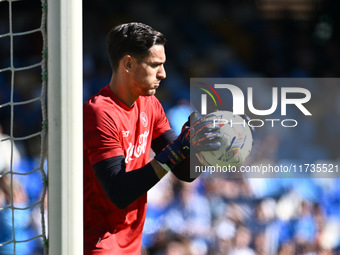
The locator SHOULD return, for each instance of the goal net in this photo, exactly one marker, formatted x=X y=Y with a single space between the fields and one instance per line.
x=40 y=127
x=23 y=118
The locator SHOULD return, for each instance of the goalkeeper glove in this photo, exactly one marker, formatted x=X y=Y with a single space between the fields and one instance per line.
x=204 y=136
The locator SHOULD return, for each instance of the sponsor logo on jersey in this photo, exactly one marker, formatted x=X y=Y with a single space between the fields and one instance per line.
x=135 y=151
x=126 y=133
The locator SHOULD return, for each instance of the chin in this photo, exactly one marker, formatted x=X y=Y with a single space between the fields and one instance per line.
x=151 y=92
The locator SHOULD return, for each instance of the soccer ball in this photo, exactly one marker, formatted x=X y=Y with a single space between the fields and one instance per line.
x=237 y=141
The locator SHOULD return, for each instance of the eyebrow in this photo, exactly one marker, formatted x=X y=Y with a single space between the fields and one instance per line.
x=156 y=62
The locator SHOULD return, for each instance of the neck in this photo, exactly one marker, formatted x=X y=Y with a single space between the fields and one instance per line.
x=120 y=89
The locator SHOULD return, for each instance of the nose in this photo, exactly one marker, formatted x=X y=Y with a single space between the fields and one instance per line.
x=161 y=74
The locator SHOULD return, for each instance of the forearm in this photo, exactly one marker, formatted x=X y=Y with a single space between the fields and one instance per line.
x=123 y=188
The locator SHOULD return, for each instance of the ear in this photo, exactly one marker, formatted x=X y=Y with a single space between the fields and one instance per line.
x=128 y=63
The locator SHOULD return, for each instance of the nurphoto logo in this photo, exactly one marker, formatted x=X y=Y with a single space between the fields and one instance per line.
x=281 y=99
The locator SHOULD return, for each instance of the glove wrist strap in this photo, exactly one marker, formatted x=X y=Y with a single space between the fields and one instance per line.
x=164 y=166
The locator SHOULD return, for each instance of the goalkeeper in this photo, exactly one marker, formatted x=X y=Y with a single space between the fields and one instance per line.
x=121 y=125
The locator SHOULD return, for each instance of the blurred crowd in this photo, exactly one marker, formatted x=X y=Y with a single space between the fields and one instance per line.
x=225 y=216
x=205 y=39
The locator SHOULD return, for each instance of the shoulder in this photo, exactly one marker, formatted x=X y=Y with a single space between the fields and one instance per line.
x=98 y=104
x=99 y=101
x=99 y=111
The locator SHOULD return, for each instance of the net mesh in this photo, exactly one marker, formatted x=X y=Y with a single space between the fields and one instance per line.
x=23 y=127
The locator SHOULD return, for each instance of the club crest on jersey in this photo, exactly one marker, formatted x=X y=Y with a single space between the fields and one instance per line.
x=144 y=119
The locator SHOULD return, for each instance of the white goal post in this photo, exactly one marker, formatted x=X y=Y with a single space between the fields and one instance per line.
x=65 y=97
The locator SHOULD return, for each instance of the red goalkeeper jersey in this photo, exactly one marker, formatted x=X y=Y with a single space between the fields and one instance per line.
x=111 y=129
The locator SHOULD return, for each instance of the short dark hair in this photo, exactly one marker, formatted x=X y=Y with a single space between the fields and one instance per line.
x=133 y=39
